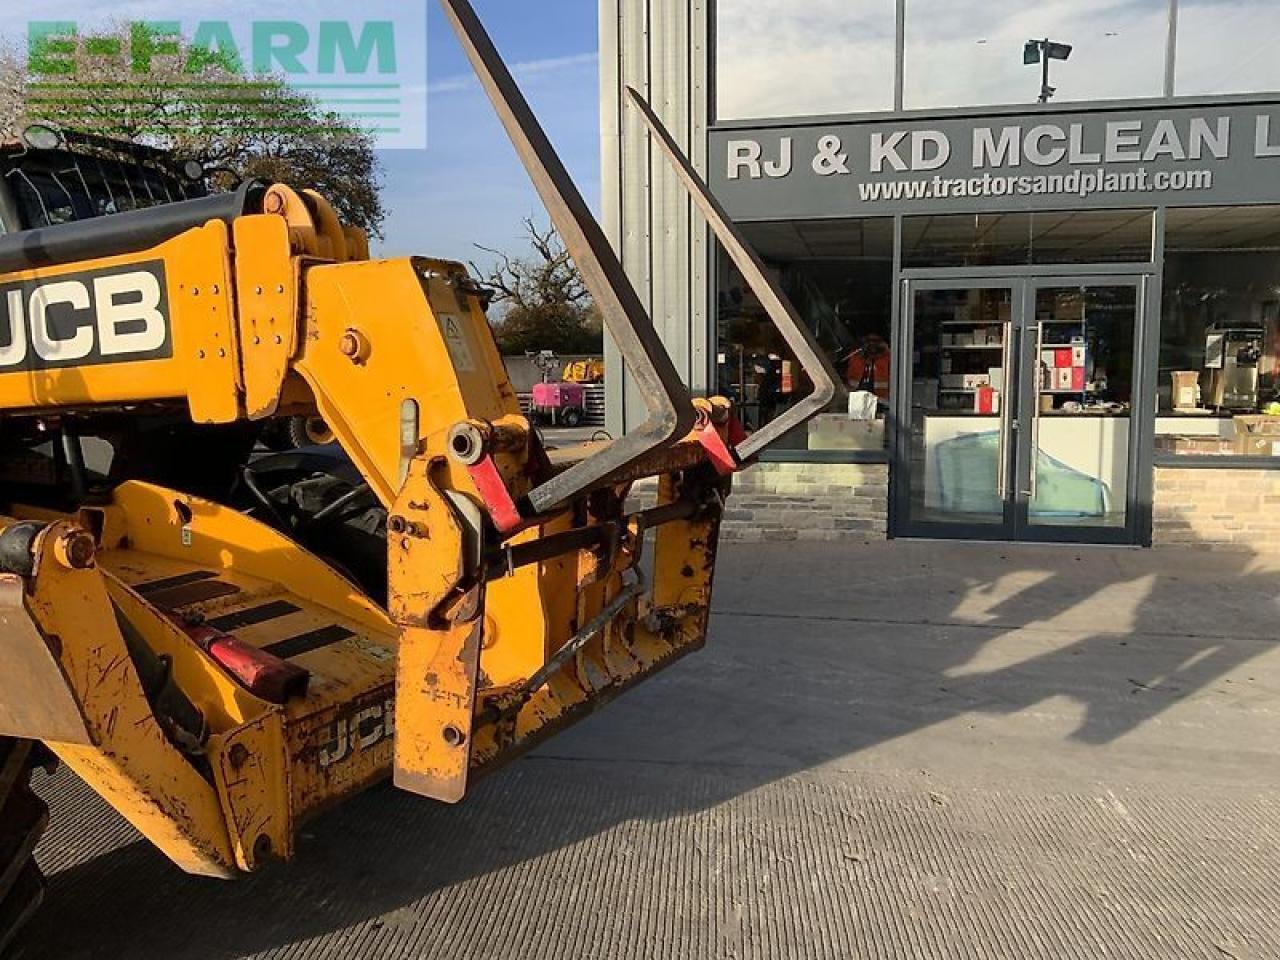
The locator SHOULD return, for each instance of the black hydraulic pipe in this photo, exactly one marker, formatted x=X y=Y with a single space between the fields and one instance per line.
x=73 y=460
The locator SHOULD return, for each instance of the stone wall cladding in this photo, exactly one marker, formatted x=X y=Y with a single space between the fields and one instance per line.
x=809 y=501
x=1217 y=509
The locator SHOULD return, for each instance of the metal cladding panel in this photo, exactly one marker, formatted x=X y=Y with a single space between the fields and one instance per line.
x=661 y=48
x=702 y=90
x=670 y=214
x=611 y=183
x=637 y=248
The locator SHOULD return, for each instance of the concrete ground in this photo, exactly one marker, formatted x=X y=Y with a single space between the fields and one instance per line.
x=893 y=750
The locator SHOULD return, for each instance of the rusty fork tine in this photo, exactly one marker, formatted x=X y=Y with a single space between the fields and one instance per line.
x=671 y=413
x=827 y=385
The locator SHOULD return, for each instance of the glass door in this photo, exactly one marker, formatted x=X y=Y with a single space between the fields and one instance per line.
x=1019 y=418
x=1079 y=371
x=960 y=444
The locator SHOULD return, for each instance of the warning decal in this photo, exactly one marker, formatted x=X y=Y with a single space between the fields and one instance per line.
x=455 y=340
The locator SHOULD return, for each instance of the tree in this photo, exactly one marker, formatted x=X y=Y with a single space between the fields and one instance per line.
x=199 y=104
x=546 y=305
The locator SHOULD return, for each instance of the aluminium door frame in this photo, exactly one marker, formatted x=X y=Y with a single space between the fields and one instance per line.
x=1131 y=534
x=1022 y=280
x=909 y=283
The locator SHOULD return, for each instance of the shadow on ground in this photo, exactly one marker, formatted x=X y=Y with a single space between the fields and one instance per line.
x=820 y=657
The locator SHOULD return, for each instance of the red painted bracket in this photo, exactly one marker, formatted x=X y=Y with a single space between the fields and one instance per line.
x=718 y=452
x=497 y=498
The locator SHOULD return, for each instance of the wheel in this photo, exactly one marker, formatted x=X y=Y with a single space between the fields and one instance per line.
x=275 y=436
x=309 y=432
x=23 y=818
x=572 y=417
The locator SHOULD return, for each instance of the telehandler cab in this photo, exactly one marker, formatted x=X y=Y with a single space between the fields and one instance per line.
x=223 y=646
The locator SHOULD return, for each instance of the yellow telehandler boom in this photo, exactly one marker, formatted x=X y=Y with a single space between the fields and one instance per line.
x=223 y=645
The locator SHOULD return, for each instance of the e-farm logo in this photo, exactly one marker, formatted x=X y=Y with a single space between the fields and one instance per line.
x=366 y=73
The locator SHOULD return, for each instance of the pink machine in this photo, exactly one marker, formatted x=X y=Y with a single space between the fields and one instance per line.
x=564 y=404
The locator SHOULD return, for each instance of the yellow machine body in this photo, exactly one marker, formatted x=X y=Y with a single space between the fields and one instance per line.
x=395 y=355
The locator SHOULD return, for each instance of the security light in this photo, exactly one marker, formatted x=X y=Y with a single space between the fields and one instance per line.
x=1042 y=51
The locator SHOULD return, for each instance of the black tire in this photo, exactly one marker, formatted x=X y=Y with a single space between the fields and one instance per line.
x=572 y=417
x=23 y=818
x=308 y=432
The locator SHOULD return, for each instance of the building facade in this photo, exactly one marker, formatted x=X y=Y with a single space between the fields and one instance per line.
x=1041 y=245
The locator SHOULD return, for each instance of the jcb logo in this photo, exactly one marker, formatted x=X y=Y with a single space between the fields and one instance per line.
x=80 y=319
x=358 y=731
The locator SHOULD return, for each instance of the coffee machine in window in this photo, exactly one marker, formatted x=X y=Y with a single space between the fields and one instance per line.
x=1231 y=358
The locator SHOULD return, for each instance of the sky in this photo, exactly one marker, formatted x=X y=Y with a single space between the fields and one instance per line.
x=805 y=57
x=467 y=187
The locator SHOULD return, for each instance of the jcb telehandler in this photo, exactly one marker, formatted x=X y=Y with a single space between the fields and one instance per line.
x=223 y=646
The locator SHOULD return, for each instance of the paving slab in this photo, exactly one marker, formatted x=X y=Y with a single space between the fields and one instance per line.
x=891 y=750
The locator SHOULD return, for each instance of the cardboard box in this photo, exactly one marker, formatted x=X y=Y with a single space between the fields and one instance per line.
x=972 y=381
x=1257 y=424
x=986 y=400
x=1256 y=435
x=835 y=431
x=1077 y=378
x=1186 y=389
x=1215 y=446
x=1062 y=378
x=1062 y=357
x=1077 y=356
x=1255 y=445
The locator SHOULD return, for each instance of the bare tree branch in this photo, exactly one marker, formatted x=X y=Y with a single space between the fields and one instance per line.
x=545 y=303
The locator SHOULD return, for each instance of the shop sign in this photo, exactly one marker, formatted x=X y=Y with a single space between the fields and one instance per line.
x=1187 y=156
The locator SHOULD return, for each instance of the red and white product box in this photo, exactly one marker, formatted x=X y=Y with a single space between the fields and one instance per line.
x=1077 y=356
x=1062 y=357
x=1062 y=378
x=1077 y=378
x=986 y=400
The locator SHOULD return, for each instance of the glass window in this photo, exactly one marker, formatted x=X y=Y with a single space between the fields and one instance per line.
x=839 y=275
x=43 y=199
x=1227 y=46
x=1007 y=239
x=970 y=52
x=778 y=58
x=1219 y=385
